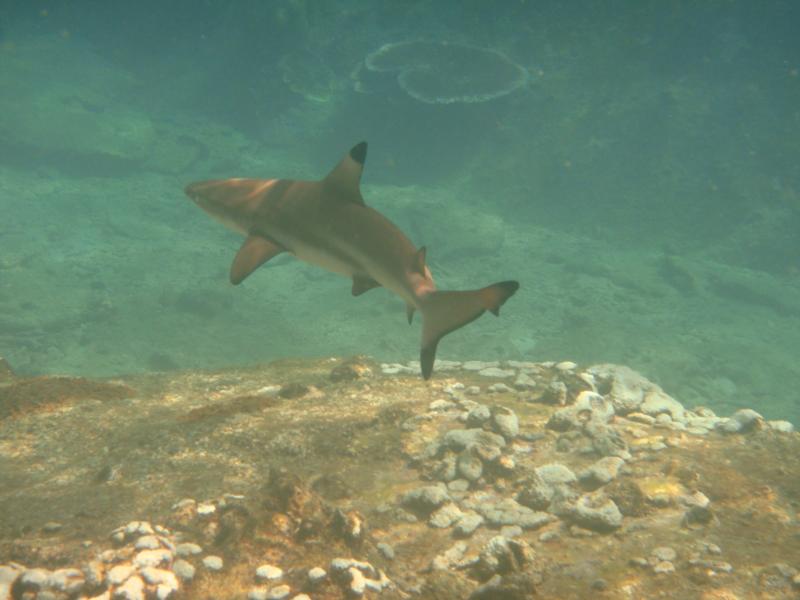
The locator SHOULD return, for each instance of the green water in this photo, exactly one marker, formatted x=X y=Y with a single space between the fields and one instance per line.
x=643 y=186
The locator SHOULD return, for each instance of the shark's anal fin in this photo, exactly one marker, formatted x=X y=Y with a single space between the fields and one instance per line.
x=255 y=251
x=443 y=312
x=363 y=283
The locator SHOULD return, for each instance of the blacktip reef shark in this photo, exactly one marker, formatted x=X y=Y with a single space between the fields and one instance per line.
x=326 y=223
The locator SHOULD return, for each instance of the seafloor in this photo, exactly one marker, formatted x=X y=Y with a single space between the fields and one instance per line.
x=347 y=478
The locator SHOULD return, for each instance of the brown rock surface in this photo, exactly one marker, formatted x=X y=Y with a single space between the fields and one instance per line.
x=317 y=474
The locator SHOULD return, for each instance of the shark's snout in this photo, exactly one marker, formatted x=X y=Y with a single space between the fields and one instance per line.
x=201 y=193
x=228 y=201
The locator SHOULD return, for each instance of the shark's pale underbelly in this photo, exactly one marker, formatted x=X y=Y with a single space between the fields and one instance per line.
x=345 y=258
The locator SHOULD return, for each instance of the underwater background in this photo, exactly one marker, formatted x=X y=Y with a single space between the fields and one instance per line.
x=634 y=164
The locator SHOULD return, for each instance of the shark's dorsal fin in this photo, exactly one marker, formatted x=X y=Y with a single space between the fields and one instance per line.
x=343 y=182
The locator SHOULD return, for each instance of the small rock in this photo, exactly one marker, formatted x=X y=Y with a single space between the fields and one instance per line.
x=742 y=421
x=268 y=573
x=467 y=525
x=588 y=407
x=69 y=581
x=555 y=393
x=656 y=402
x=511 y=531
x=724 y=567
x=259 y=593
x=600 y=585
x=426 y=498
x=386 y=550
x=698 y=514
x=165 y=581
x=459 y=439
x=496 y=372
x=93 y=575
x=697 y=430
x=601 y=472
x=132 y=589
x=395 y=368
x=212 y=563
x=478 y=365
x=188 y=549
x=446 y=469
x=147 y=542
x=663 y=420
x=556 y=473
x=152 y=558
x=184 y=570
x=280 y=592
x=458 y=485
x=358 y=584
x=504 y=555
x=441 y=405
x=664 y=566
x=118 y=537
x=524 y=382
x=596 y=512
x=664 y=553
x=469 y=466
x=52 y=527
x=478 y=416
x=499 y=388
x=449 y=557
x=119 y=574
x=184 y=504
x=641 y=418
x=781 y=426
x=505 y=422
x=506 y=511
x=316 y=575
x=445 y=516
x=549 y=536
x=505 y=464
x=206 y=509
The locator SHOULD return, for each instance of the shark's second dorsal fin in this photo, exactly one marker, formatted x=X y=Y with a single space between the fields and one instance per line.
x=345 y=178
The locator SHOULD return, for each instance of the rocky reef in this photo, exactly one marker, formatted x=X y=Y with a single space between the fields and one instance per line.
x=338 y=479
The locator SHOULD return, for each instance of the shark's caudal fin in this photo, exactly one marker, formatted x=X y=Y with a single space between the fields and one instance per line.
x=443 y=312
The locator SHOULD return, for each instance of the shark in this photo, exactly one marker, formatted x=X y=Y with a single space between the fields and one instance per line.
x=328 y=224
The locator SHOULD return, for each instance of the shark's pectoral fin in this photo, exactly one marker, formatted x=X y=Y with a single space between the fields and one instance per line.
x=255 y=251
x=443 y=312
x=363 y=283
x=410 y=312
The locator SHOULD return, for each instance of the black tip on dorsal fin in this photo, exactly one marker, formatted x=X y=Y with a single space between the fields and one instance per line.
x=343 y=181
x=359 y=153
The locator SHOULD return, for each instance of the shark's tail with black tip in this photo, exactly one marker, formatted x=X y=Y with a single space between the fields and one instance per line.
x=443 y=312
